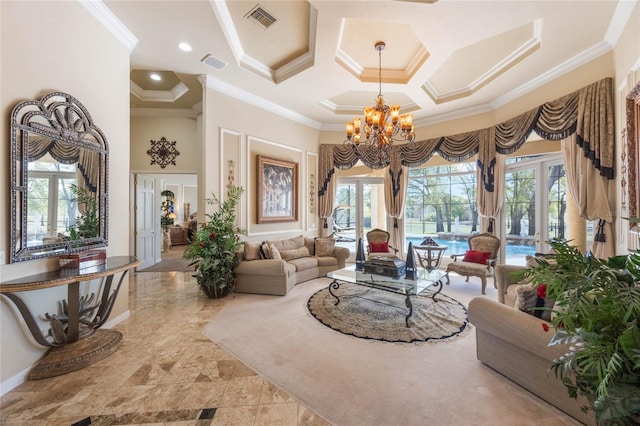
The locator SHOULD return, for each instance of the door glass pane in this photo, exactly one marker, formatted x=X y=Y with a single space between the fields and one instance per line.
x=373 y=209
x=520 y=215
x=67 y=206
x=557 y=213
x=37 y=210
x=344 y=216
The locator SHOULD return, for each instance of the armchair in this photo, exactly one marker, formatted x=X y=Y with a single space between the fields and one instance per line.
x=479 y=261
x=378 y=244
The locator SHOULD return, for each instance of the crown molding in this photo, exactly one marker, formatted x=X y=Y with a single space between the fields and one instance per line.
x=240 y=94
x=158 y=95
x=104 y=15
x=621 y=16
x=164 y=112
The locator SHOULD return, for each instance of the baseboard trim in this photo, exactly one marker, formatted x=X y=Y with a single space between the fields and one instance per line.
x=15 y=381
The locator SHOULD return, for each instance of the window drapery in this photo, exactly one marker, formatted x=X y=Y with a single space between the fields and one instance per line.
x=586 y=113
x=395 y=187
x=326 y=187
x=589 y=190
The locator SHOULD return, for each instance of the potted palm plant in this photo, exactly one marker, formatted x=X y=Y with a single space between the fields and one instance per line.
x=86 y=225
x=213 y=247
x=597 y=312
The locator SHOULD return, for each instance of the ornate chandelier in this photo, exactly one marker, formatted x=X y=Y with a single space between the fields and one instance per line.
x=383 y=125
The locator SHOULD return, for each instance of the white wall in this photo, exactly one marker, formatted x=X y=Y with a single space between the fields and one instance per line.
x=179 y=129
x=60 y=46
x=236 y=131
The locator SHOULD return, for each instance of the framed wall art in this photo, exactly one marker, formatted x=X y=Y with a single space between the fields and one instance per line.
x=277 y=190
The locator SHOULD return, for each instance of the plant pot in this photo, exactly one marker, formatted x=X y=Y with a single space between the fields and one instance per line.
x=214 y=289
x=214 y=292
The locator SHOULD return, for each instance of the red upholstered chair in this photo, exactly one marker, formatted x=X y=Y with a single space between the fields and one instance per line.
x=378 y=244
x=479 y=260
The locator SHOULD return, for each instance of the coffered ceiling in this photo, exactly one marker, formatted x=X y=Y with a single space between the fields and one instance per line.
x=315 y=61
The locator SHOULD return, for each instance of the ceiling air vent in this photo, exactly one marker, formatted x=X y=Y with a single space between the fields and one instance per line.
x=261 y=16
x=214 y=62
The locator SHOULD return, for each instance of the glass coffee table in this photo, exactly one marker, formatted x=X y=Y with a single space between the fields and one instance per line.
x=424 y=280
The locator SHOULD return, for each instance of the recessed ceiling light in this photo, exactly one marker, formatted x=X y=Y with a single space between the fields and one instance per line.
x=155 y=77
x=185 y=47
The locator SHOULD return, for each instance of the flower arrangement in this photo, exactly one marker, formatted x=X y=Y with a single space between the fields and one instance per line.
x=597 y=312
x=213 y=247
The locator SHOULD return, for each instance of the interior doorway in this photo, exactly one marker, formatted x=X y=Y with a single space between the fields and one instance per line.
x=151 y=240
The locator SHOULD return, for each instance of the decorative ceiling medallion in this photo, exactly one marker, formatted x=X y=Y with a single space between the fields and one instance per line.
x=163 y=152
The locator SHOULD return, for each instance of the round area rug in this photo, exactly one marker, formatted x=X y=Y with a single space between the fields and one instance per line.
x=380 y=315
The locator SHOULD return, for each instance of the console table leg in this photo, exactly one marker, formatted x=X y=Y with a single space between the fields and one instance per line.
x=73 y=312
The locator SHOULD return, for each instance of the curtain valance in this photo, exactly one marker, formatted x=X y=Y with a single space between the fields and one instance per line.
x=588 y=113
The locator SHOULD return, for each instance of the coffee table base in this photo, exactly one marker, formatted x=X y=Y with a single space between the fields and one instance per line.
x=335 y=285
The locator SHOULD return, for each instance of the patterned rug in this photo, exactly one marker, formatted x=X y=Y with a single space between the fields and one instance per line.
x=380 y=315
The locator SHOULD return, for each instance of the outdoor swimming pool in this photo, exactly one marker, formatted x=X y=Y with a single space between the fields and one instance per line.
x=461 y=246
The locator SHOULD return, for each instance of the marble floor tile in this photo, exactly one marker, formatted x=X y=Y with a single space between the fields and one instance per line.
x=165 y=372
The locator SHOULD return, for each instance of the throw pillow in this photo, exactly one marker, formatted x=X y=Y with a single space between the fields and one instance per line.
x=378 y=247
x=275 y=253
x=532 y=300
x=294 y=253
x=251 y=251
x=265 y=253
x=480 y=257
x=324 y=246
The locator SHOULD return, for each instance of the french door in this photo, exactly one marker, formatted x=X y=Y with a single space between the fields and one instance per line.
x=535 y=206
x=358 y=208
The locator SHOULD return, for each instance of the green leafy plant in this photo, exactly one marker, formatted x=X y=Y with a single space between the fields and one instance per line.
x=87 y=225
x=166 y=220
x=213 y=247
x=597 y=313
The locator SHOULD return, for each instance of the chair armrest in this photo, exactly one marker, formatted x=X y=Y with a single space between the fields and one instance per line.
x=504 y=278
x=395 y=250
x=456 y=256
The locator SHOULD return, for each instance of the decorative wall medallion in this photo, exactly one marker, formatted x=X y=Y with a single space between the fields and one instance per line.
x=163 y=152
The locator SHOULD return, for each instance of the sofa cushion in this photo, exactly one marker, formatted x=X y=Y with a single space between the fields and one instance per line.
x=274 y=253
x=326 y=260
x=310 y=244
x=294 y=253
x=304 y=263
x=474 y=256
x=251 y=251
x=530 y=297
x=288 y=244
x=324 y=246
x=378 y=247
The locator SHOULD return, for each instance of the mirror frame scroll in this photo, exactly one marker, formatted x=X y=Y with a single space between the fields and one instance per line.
x=61 y=121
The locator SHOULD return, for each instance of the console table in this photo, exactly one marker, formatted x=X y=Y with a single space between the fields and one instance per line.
x=75 y=338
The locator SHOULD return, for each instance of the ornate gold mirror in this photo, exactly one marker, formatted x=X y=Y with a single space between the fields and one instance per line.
x=58 y=179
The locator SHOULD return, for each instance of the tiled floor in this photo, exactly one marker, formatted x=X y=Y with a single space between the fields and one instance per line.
x=165 y=372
